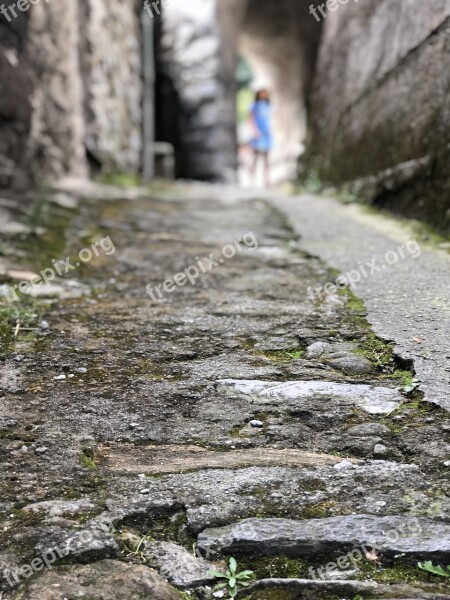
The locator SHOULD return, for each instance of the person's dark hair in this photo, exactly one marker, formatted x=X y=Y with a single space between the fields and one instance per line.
x=262 y=96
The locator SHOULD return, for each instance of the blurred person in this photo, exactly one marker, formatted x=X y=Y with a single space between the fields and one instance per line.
x=262 y=140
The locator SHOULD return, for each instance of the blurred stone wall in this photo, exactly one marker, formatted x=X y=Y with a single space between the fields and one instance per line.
x=381 y=104
x=196 y=86
x=15 y=89
x=70 y=77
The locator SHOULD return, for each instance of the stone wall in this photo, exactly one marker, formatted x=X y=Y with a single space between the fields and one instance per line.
x=15 y=88
x=196 y=87
x=111 y=73
x=381 y=103
x=72 y=72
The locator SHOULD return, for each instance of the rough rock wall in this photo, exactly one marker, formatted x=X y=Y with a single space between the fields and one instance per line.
x=15 y=88
x=71 y=73
x=55 y=146
x=196 y=60
x=111 y=74
x=381 y=103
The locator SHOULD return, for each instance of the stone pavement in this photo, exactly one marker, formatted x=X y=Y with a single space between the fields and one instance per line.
x=150 y=428
x=404 y=281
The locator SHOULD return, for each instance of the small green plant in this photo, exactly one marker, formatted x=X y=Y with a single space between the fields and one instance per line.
x=411 y=387
x=435 y=570
x=37 y=213
x=312 y=183
x=233 y=579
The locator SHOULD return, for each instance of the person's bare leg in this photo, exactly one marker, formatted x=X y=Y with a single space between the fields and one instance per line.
x=267 y=169
x=255 y=165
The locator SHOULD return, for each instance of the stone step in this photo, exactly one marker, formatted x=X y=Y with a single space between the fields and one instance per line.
x=216 y=497
x=415 y=538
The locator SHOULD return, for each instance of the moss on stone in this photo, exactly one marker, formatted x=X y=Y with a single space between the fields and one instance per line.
x=276 y=566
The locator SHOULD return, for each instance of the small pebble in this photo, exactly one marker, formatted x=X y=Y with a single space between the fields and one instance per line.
x=256 y=423
x=24 y=449
x=59 y=377
x=44 y=325
x=134 y=425
x=447 y=463
x=145 y=491
x=141 y=476
x=70 y=375
x=41 y=450
x=19 y=358
x=81 y=370
x=345 y=464
x=380 y=450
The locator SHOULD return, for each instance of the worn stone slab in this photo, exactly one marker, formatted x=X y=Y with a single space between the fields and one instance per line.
x=315 y=394
x=154 y=460
x=102 y=580
x=178 y=566
x=59 y=508
x=422 y=539
x=85 y=545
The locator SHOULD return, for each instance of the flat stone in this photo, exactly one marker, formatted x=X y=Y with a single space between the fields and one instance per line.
x=352 y=364
x=340 y=355
x=8 y=423
x=61 y=508
x=318 y=349
x=81 y=546
x=178 y=566
x=421 y=539
x=314 y=395
x=126 y=458
x=368 y=429
x=277 y=343
x=103 y=580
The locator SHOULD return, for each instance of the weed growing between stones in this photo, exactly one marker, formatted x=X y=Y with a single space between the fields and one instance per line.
x=435 y=569
x=87 y=458
x=19 y=320
x=233 y=578
x=380 y=352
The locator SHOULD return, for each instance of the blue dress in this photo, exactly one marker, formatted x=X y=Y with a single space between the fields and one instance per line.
x=262 y=112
